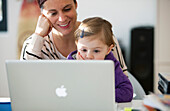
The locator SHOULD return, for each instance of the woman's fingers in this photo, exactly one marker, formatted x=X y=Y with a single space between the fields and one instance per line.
x=43 y=26
x=48 y=20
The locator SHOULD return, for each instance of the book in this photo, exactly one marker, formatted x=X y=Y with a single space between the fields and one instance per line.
x=157 y=102
x=164 y=83
x=5 y=104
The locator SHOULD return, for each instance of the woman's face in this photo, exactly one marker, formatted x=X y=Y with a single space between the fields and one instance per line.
x=62 y=15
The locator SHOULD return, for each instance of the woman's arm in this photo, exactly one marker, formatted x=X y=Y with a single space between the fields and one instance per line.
x=32 y=48
x=118 y=55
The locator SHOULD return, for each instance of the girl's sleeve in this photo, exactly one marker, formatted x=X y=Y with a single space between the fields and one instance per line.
x=123 y=87
x=32 y=46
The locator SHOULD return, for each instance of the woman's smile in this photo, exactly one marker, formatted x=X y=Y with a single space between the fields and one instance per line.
x=64 y=26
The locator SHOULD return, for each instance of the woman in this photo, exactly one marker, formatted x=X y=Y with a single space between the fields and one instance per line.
x=54 y=34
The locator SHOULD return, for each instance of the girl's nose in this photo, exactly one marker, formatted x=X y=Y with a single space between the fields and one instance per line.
x=89 y=55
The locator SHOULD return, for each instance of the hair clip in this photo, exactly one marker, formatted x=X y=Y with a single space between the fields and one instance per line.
x=82 y=34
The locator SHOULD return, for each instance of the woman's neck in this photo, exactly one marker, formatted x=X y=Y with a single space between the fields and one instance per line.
x=63 y=40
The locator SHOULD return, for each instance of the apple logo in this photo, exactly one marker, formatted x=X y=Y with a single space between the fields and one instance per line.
x=61 y=92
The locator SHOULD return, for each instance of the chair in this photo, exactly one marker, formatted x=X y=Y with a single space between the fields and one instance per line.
x=138 y=91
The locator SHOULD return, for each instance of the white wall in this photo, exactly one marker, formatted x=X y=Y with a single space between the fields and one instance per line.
x=8 y=43
x=162 y=54
x=123 y=14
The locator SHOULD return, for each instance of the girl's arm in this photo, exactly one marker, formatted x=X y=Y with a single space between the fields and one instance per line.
x=123 y=87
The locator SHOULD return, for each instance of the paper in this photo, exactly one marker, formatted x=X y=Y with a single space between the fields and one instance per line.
x=5 y=100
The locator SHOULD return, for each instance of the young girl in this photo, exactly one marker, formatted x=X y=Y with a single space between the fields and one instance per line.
x=94 y=39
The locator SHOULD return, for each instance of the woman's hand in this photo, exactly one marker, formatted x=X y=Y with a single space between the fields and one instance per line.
x=79 y=56
x=43 y=27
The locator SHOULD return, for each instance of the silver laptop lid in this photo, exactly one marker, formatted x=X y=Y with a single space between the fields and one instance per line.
x=62 y=85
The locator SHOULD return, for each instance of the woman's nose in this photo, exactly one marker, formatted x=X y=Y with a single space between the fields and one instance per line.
x=61 y=17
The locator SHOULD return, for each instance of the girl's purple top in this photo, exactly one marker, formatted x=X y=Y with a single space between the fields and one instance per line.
x=123 y=87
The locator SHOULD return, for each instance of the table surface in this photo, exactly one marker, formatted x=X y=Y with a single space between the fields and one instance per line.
x=135 y=104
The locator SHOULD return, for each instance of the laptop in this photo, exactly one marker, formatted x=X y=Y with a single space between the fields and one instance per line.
x=61 y=85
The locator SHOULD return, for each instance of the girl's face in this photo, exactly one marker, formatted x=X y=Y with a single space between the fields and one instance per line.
x=62 y=15
x=92 y=49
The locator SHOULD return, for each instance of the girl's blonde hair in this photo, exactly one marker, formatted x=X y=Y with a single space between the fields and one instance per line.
x=93 y=26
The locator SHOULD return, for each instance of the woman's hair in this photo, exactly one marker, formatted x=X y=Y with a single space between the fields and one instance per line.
x=93 y=26
x=41 y=2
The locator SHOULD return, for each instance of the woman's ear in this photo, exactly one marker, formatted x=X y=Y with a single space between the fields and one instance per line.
x=109 y=49
x=76 y=42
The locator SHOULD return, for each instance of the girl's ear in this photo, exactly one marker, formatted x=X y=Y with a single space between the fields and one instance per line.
x=109 y=49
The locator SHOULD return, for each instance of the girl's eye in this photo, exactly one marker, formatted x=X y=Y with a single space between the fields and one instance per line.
x=84 y=50
x=96 y=51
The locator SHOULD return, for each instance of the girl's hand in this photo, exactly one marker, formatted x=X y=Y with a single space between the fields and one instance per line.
x=79 y=56
x=43 y=27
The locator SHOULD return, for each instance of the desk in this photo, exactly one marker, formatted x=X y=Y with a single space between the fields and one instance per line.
x=5 y=105
x=136 y=104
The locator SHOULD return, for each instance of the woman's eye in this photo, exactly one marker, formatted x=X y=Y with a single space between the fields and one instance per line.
x=96 y=51
x=67 y=9
x=52 y=14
